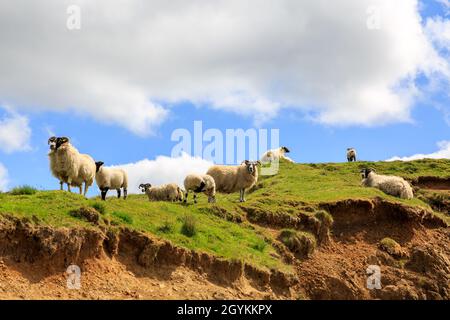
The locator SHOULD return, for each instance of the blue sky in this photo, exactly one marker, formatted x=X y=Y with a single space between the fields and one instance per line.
x=307 y=131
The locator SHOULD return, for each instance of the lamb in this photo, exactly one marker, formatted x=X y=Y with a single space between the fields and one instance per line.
x=275 y=155
x=392 y=185
x=200 y=183
x=69 y=166
x=110 y=178
x=166 y=192
x=231 y=179
x=351 y=154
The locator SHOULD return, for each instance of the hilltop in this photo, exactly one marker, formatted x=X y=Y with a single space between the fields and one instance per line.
x=309 y=232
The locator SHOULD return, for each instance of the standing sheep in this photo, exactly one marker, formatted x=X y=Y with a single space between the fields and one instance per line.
x=109 y=178
x=166 y=192
x=200 y=183
x=392 y=185
x=351 y=154
x=69 y=166
x=231 y=179
x=275 y=155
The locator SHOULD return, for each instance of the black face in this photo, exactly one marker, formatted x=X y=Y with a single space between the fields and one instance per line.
x=365 y=172
x=60 y=141
x=98 y=164
x=286 y=150
x=52 y=143
x=145 y=187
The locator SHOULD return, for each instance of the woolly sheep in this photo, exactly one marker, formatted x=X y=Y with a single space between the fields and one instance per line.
x=231 y=179
x=392 y=185
x=69 y=166
x=111 y=178
x=351 y=154
x=276 y=154
x=166 y=192
x=200 y=183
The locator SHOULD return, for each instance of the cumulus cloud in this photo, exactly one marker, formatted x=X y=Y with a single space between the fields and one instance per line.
x=163 y=170
x=442 y=153
x=3 y=178
x=15 y=132
x=253 y=58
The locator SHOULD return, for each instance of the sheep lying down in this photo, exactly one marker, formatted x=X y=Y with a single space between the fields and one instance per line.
x=166 y=192
x=392 y=185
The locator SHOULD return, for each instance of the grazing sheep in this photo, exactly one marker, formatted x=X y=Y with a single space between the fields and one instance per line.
x=276 y=154
x=200 y=183
x=392 y=185
x=166 y=192
x=109 y=178
x=70 y=166
x=231 y=179
x=351 y=154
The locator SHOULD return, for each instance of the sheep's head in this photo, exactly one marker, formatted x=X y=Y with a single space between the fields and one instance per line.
x=98 y=165
x=365 y=172
x=145 y=187
x=52 y=143
x=61 y=141
x=251 y=166
x=285 y=150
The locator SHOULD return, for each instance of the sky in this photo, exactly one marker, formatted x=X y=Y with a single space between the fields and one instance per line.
x=120 y=77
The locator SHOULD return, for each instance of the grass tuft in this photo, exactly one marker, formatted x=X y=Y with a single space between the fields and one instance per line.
x=189 y=227
x=100 y=207
x=23 y=190
x=124 y=217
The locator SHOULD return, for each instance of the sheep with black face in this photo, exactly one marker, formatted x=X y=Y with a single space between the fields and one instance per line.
x=275 y=155
x=111 y=178
x=392 y=185
x=69 y=166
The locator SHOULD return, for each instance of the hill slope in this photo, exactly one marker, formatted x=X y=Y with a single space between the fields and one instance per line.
x=309 y=232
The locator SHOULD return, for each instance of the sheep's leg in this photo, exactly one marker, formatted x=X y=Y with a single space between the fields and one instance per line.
x=61 y=185
x=242 y=192
x=195 y=198
x=186 y=197
x=68 y=187
x=81 y=188
x=86 y=188
x=125 y=194
x=118 y=193
x=104 y=192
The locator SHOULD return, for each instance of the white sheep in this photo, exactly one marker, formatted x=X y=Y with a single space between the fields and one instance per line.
x=275 y=155
x=392 y=185
x=111 y=179
x=200 y=183
x=166 y=192
x=351 y=154
x=70 y=166
x=231 y=179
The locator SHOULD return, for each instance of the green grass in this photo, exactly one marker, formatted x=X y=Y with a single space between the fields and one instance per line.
x=297 y=188
x=23 y=190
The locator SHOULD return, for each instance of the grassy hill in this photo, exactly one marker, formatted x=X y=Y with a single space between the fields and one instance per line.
x=223 y=229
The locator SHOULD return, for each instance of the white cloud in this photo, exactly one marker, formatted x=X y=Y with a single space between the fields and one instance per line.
x=15 y=132
x=438 y=31
x=3 y=178
x=442 y=153
x=251 y=57
x=163 y=170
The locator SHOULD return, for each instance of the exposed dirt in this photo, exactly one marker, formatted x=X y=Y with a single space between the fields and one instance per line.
x=433 y=183
x=124 y=264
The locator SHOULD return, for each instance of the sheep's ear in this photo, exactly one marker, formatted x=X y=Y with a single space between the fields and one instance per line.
x=51 y=139
x=286 y=150
x=246 y=162
x=258 y=163
x=64 y=139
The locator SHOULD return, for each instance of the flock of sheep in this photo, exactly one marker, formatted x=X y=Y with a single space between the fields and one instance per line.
x=71 y=167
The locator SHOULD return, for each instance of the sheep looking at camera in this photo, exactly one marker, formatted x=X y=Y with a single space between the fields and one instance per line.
x=392 y=185
x=230 y=179
x=351 y=155
x=70 y=166
x=275 y=155
x=166 y=192
x=111 y=178
x=200 y=183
